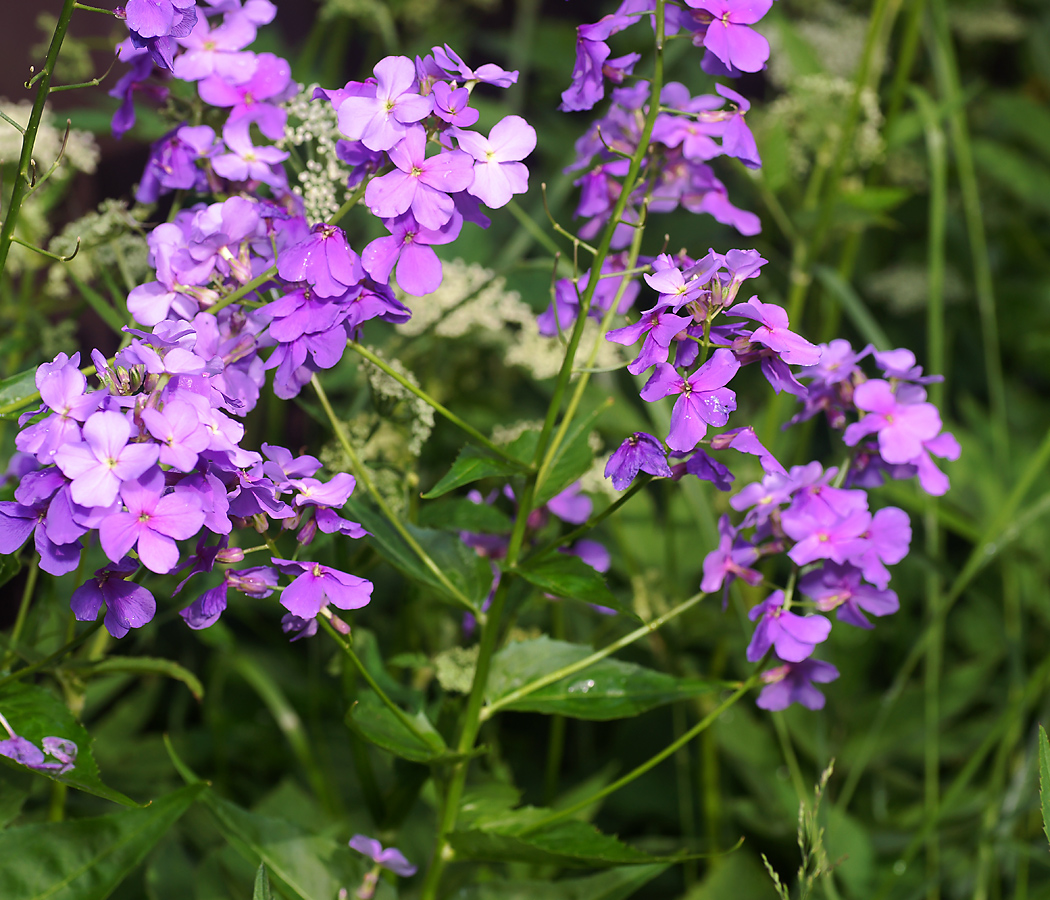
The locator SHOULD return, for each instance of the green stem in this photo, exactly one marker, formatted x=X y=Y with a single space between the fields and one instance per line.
x=346 y=647
x=243 y=290
x=701 y=726
x=23 y=611
x=639 y=483
x=471 y=725
x=475 y=435
x=597 y=656
x=392 y=517
x=44 y=663
x=21 y=180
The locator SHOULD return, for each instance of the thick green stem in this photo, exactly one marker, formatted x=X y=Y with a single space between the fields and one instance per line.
x=384 y=507
x=25 y=161
x=471 y=725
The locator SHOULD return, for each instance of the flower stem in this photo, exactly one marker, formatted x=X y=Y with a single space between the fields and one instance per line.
x=243 y=290
x=384 y=507
x=475 y=435
x=23 y=610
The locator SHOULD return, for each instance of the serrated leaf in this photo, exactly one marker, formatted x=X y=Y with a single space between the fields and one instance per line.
x=470 y=573
x=572 y=844
x=570 y=577
x=85 y=859
x=18 y=390
x=35 y=713
x=262 y=889
x=374 y=722
x=609 y=689
x=572 y=458
x=1044 y=779
x=464 y=515
x=147 y=665
x=616 y=884
x=472 y=464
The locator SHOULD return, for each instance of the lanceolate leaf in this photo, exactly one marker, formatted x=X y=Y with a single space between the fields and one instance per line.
x=377 y=724
x=35 y=713
x=85 y=859
x=464 y=515
x=609 y=689
x=569 y=577
x=471 y=465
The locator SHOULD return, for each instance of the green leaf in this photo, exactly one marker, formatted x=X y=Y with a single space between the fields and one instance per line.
x=373 y=721
x=1044 y=779
x=311 y=867
x=572 y=459
x=609 y=689
x=572 y=843
x=262 y=884
x=616 y=884
x=464 y=515
x=569 y=576
x=35 y=713
x=472 y=465
x=146 y=665
x=462 y=566
x=85 y=859
x=18 y=390
x=105 y=310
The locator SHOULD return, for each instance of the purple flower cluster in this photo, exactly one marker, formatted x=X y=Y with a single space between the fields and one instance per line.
x=153 y=459
x=721 y=27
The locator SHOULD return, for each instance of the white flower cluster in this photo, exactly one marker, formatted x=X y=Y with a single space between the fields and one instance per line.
x=313 y=129
x=420 y=414
x=81 y=151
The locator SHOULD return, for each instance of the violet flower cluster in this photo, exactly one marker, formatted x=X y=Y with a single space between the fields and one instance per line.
x=698 y=336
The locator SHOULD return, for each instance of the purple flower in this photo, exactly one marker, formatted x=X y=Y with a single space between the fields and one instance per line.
x=793 y=637
x=271 y=81
x=324 y=260
x=104 y=459
x=62 y=752
x=128 y=605
x=489 y=73
x=179 y=431
x=380 y=121
x=902 y=427
x=774 y=334
x=840 y=587
x=152 y=522
x=730 y=561
x=659 y=326
x=420 y=184
x=728 y=36
x=704 y=399
x=172 y=163
x=498 y=172
x=206 y=609
x=640 y=451
x=792 y=683
x=407 y=247
x=389 y=858
x=245 y=161
x=215 y=51
x=316 y=585
x=451 y=106
x=155 y=18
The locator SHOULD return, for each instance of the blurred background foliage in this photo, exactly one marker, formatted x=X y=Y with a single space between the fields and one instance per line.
x=912 y=212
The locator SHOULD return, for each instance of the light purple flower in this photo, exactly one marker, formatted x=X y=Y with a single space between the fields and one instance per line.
x=420 y=184
x=840 y=587
x=153 y=522
x=215 y=51
x=728 y=36
x=451 y=105
x=792 y=683
x=793 y=637
x=489 y=73
x=245 y=161
x=316 y=585
x=704 y=399
x=773 y=332
x=104 y=459
x=324 y=259
x=822 y=533
x=389 y=858
x=408 y=247
x=498 y=172
x=179 y=431
x=382 y=120
x=902 y=427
